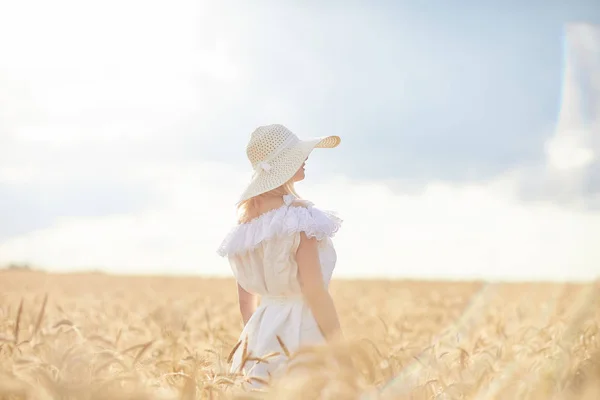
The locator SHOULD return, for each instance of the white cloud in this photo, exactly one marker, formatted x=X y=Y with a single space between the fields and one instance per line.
x=452 y=231
x=566 y=152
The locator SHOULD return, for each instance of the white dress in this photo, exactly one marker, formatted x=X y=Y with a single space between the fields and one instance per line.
x=262 y=257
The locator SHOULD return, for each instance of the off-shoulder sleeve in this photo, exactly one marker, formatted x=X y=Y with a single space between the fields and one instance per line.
x=288 y=220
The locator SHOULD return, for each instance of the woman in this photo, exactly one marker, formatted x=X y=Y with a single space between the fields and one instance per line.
x=281 y=251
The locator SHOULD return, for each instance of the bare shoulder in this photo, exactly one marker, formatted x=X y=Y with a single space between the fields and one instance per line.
x=301 y=203
x=265 y=206
x=270 y=203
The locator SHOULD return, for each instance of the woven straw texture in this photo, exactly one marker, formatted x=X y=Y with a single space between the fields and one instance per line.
x=275 y=154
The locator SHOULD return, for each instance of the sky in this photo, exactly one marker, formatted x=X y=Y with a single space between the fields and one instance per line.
x=470 y=132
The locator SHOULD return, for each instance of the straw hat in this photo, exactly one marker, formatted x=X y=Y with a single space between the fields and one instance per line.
x=276 y=154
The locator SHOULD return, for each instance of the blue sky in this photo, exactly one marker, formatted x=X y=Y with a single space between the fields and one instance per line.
x=457 y=91
x=105 y=107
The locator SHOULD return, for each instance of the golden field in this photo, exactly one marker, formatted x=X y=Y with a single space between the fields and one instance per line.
x=95 y=336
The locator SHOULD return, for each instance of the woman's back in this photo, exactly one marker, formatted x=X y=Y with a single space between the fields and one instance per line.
x=262 y=251
x=262 y=255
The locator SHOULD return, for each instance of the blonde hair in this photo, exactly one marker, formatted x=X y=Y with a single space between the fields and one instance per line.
x=249 y=209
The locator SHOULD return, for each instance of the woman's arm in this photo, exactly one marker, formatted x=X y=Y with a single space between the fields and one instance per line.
x=247 y=302
x=314 y=289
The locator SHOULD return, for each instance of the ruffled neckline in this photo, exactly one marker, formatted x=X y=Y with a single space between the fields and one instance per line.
x=284 y=220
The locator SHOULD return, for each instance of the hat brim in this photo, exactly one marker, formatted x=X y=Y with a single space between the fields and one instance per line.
x=328 y=142
x=285 y=165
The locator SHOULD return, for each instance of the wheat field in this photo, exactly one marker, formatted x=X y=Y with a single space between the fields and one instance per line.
x=95 y=336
